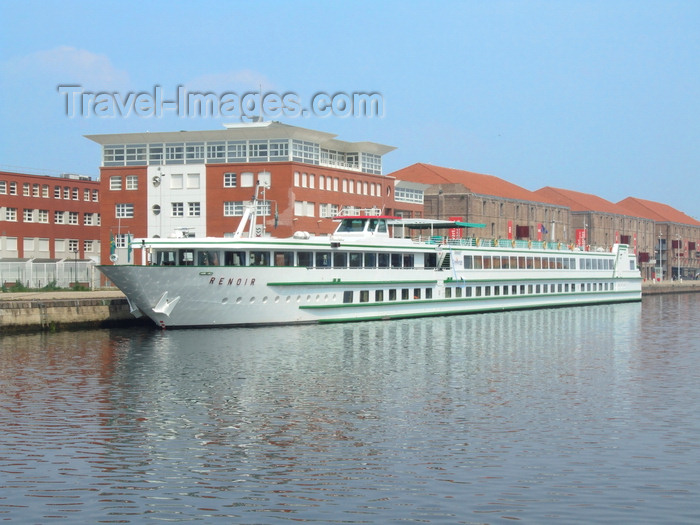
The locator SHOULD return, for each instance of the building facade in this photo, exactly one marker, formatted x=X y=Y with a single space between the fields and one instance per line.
x=599 y=223
x=674 y=249
x=506 y=210
x=49 y=221
x=197 y=183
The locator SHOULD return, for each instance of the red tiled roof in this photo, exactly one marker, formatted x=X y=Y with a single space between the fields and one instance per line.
x=657 y=211
x=474 y=182
x=578 y=201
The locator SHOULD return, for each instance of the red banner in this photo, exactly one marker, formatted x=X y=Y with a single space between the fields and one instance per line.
x=581 y=238
x=455 y=233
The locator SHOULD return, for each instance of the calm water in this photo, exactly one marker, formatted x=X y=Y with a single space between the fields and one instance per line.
x=579 y=415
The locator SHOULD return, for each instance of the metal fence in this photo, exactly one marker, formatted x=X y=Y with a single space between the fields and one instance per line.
x=61 y=273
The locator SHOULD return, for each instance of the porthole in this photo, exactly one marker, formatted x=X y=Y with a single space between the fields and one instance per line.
x=156 y=209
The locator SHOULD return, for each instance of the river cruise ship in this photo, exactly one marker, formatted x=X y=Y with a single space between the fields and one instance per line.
x=373 y=267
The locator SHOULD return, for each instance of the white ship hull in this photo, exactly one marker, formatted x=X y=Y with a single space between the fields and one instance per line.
x=206 y=295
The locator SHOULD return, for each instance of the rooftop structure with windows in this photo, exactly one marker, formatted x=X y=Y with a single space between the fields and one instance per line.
x=244 y=142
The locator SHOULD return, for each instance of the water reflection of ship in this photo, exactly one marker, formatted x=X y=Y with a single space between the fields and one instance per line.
x=289 y=389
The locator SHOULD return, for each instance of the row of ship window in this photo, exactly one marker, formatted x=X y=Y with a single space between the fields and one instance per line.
x=522 y=262
x=456 y=292
x=340 y=259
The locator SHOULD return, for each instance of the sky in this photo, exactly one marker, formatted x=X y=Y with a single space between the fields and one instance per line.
x=601 y=97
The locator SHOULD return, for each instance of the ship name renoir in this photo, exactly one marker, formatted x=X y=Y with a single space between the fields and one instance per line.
x=232 y=280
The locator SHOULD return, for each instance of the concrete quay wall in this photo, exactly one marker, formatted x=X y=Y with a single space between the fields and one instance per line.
x=655 y=287
x=52 y=311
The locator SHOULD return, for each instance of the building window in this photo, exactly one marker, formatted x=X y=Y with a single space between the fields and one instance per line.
x=279 y=150
x=304 y=209
x=87 y=246
x=236 y=151
x=44 y=216
x=76 y=194
x=174 y=153
x=371 y=163
x=233 y=208
x=73 y=217
x=66 y=191
x=176 y=181
x=11 y=214
x=45 y=191
x=58 y=217
x=216 y=152
x=408 y=195
x=328 y=210
x=121 y=240
x=194 y=152
x=73 y=245
x=265 y=179
x=87 y=219
x=193 y=181
x=229 y=180
x=193 y=209
x=115 y=183
x=56 y=192
x=13 y=188
x=257 y=150
x=135 y=154
x=113 y=155
x=155 y=154
x=132 y=182
x=86 y=195
x=3 y=187
x=25 y=189
x=178 y=209
x=124 y=211
x=95 y=193
x=247 y=180
x=28 y=215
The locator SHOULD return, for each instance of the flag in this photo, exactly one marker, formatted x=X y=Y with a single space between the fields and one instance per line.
x=112 y=246
x=128 y=248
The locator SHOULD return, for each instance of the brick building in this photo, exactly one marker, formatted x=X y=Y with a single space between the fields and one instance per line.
x=507 y=210
x=47 y=221
x=674 y=251
x=601 y=223
x=197 y=182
